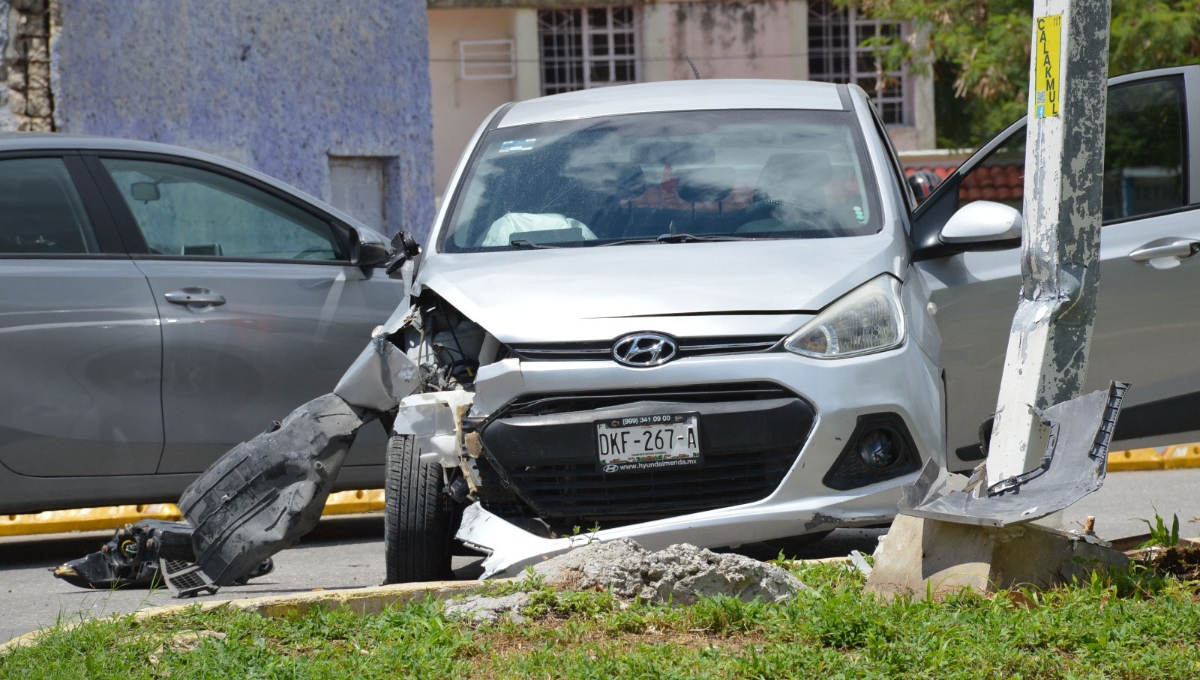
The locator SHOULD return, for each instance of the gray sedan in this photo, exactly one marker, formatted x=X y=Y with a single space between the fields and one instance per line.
x=158 y=306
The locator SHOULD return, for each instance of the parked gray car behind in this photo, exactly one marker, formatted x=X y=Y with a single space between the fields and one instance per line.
x=158 y=306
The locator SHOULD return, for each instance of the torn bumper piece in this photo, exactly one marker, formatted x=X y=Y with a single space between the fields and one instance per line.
x=435 y=419
x=257 y=499
x=264 y=494
x=510 y=548
x=1080 y=431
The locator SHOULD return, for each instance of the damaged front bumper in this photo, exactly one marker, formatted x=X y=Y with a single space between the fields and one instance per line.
x=772 y=450
x=510 y=548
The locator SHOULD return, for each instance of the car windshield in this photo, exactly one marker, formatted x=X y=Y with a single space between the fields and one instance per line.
x=665 y=177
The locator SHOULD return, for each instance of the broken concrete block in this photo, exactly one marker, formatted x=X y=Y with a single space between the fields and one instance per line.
x=920 y=556
x=487 y=608
x=680 y=573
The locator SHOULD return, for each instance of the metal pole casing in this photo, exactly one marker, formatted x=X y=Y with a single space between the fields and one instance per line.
x=1047 y=356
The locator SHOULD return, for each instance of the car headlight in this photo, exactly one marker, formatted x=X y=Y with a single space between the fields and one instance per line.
x=867 y=319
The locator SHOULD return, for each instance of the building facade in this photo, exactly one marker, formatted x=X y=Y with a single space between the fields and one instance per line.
x=331 y=97
x=484 y=53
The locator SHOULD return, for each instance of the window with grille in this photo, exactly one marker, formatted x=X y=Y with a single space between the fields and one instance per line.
x=837 y=54
x=584 y=48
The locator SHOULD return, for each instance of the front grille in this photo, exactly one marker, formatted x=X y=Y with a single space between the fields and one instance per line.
x=544 y=445
x=546 y=404
x=601 y=350
x=580 y=492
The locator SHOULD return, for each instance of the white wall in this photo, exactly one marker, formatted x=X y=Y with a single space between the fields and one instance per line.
x=459 y=106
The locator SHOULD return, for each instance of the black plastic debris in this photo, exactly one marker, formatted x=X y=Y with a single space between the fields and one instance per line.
x=259 y=498
x=265 y=494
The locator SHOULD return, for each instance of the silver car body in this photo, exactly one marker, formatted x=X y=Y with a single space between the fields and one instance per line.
x=957 y=307
x=110 y=394
x=768 y=288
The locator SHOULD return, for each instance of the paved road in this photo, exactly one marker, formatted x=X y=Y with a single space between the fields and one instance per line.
x=348 y=552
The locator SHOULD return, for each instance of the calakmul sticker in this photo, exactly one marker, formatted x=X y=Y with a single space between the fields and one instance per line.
x=1047 y=85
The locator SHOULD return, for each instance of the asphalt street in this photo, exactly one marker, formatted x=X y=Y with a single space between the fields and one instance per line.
x=347 y=552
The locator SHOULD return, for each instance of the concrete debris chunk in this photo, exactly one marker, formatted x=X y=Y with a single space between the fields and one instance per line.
x=487 y=608
x=680 y=573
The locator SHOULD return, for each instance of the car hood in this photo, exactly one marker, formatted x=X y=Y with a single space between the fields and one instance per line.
x=593 y=293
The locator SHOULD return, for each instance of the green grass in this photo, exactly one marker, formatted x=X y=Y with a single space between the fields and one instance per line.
x=1126 y=627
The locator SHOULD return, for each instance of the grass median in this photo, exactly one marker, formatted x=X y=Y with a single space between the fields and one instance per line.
x=1134 y=625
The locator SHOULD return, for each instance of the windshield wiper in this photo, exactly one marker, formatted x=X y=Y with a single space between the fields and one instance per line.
x=678 y=238
x=524 y=243
x=692 y=238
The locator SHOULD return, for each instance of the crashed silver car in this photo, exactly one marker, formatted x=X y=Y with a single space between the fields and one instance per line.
x=695 y=311
x=649 y=312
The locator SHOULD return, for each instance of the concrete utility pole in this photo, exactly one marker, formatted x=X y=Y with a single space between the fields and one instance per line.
x=1047 y=354
x=983 y=537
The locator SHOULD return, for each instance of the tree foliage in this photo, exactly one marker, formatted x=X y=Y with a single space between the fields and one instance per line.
x=978 y=51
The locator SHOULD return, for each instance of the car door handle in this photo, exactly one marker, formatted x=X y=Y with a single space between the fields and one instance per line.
x=195 y=296
x=1165 y=253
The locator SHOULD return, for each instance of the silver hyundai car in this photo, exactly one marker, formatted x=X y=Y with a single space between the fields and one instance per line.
x=712 y=312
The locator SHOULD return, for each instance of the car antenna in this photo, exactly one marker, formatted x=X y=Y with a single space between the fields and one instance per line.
x=693 y=65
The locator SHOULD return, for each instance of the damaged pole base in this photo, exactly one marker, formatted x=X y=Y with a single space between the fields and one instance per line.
x=922 y=557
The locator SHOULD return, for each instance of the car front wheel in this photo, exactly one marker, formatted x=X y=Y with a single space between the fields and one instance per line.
x=418 y=523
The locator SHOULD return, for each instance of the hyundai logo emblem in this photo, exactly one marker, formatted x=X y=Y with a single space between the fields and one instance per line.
x=610 y=468
x=642 y=350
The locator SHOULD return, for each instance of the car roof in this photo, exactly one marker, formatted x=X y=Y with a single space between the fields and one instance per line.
x=58 y=141
x=677 y=95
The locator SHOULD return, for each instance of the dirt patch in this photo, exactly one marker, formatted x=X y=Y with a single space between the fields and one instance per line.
x=1180 y=561
x=185 y=641
x=499 y=643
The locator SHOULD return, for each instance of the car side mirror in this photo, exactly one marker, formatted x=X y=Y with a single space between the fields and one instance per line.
x=983 y=225
x=404 y=248
x=367 y=254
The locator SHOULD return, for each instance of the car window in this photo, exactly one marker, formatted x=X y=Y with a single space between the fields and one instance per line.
x=1144 y=155
x=1144 y=148
x=186 y=211
x=40 y=211
x=724 y=175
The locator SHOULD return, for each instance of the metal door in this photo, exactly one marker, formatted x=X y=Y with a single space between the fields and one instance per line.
x=79 y=338
x=260 y=310
x=1147 y=313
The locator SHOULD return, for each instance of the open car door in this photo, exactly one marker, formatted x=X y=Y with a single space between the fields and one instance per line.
x=1148 y=313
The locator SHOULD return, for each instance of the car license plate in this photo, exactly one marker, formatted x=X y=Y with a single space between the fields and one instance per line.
x=660 y=442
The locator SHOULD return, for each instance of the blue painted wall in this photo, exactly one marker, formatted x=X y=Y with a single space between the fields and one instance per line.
x=279 y=86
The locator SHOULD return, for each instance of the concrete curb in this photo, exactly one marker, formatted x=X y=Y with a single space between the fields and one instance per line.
x=111 y=517
x=1172 y=458
x=361 y=600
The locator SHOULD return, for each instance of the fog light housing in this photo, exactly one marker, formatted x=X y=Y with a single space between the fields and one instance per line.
x=879 y=448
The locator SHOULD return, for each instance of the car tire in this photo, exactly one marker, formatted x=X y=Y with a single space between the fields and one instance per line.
x=418 y=520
